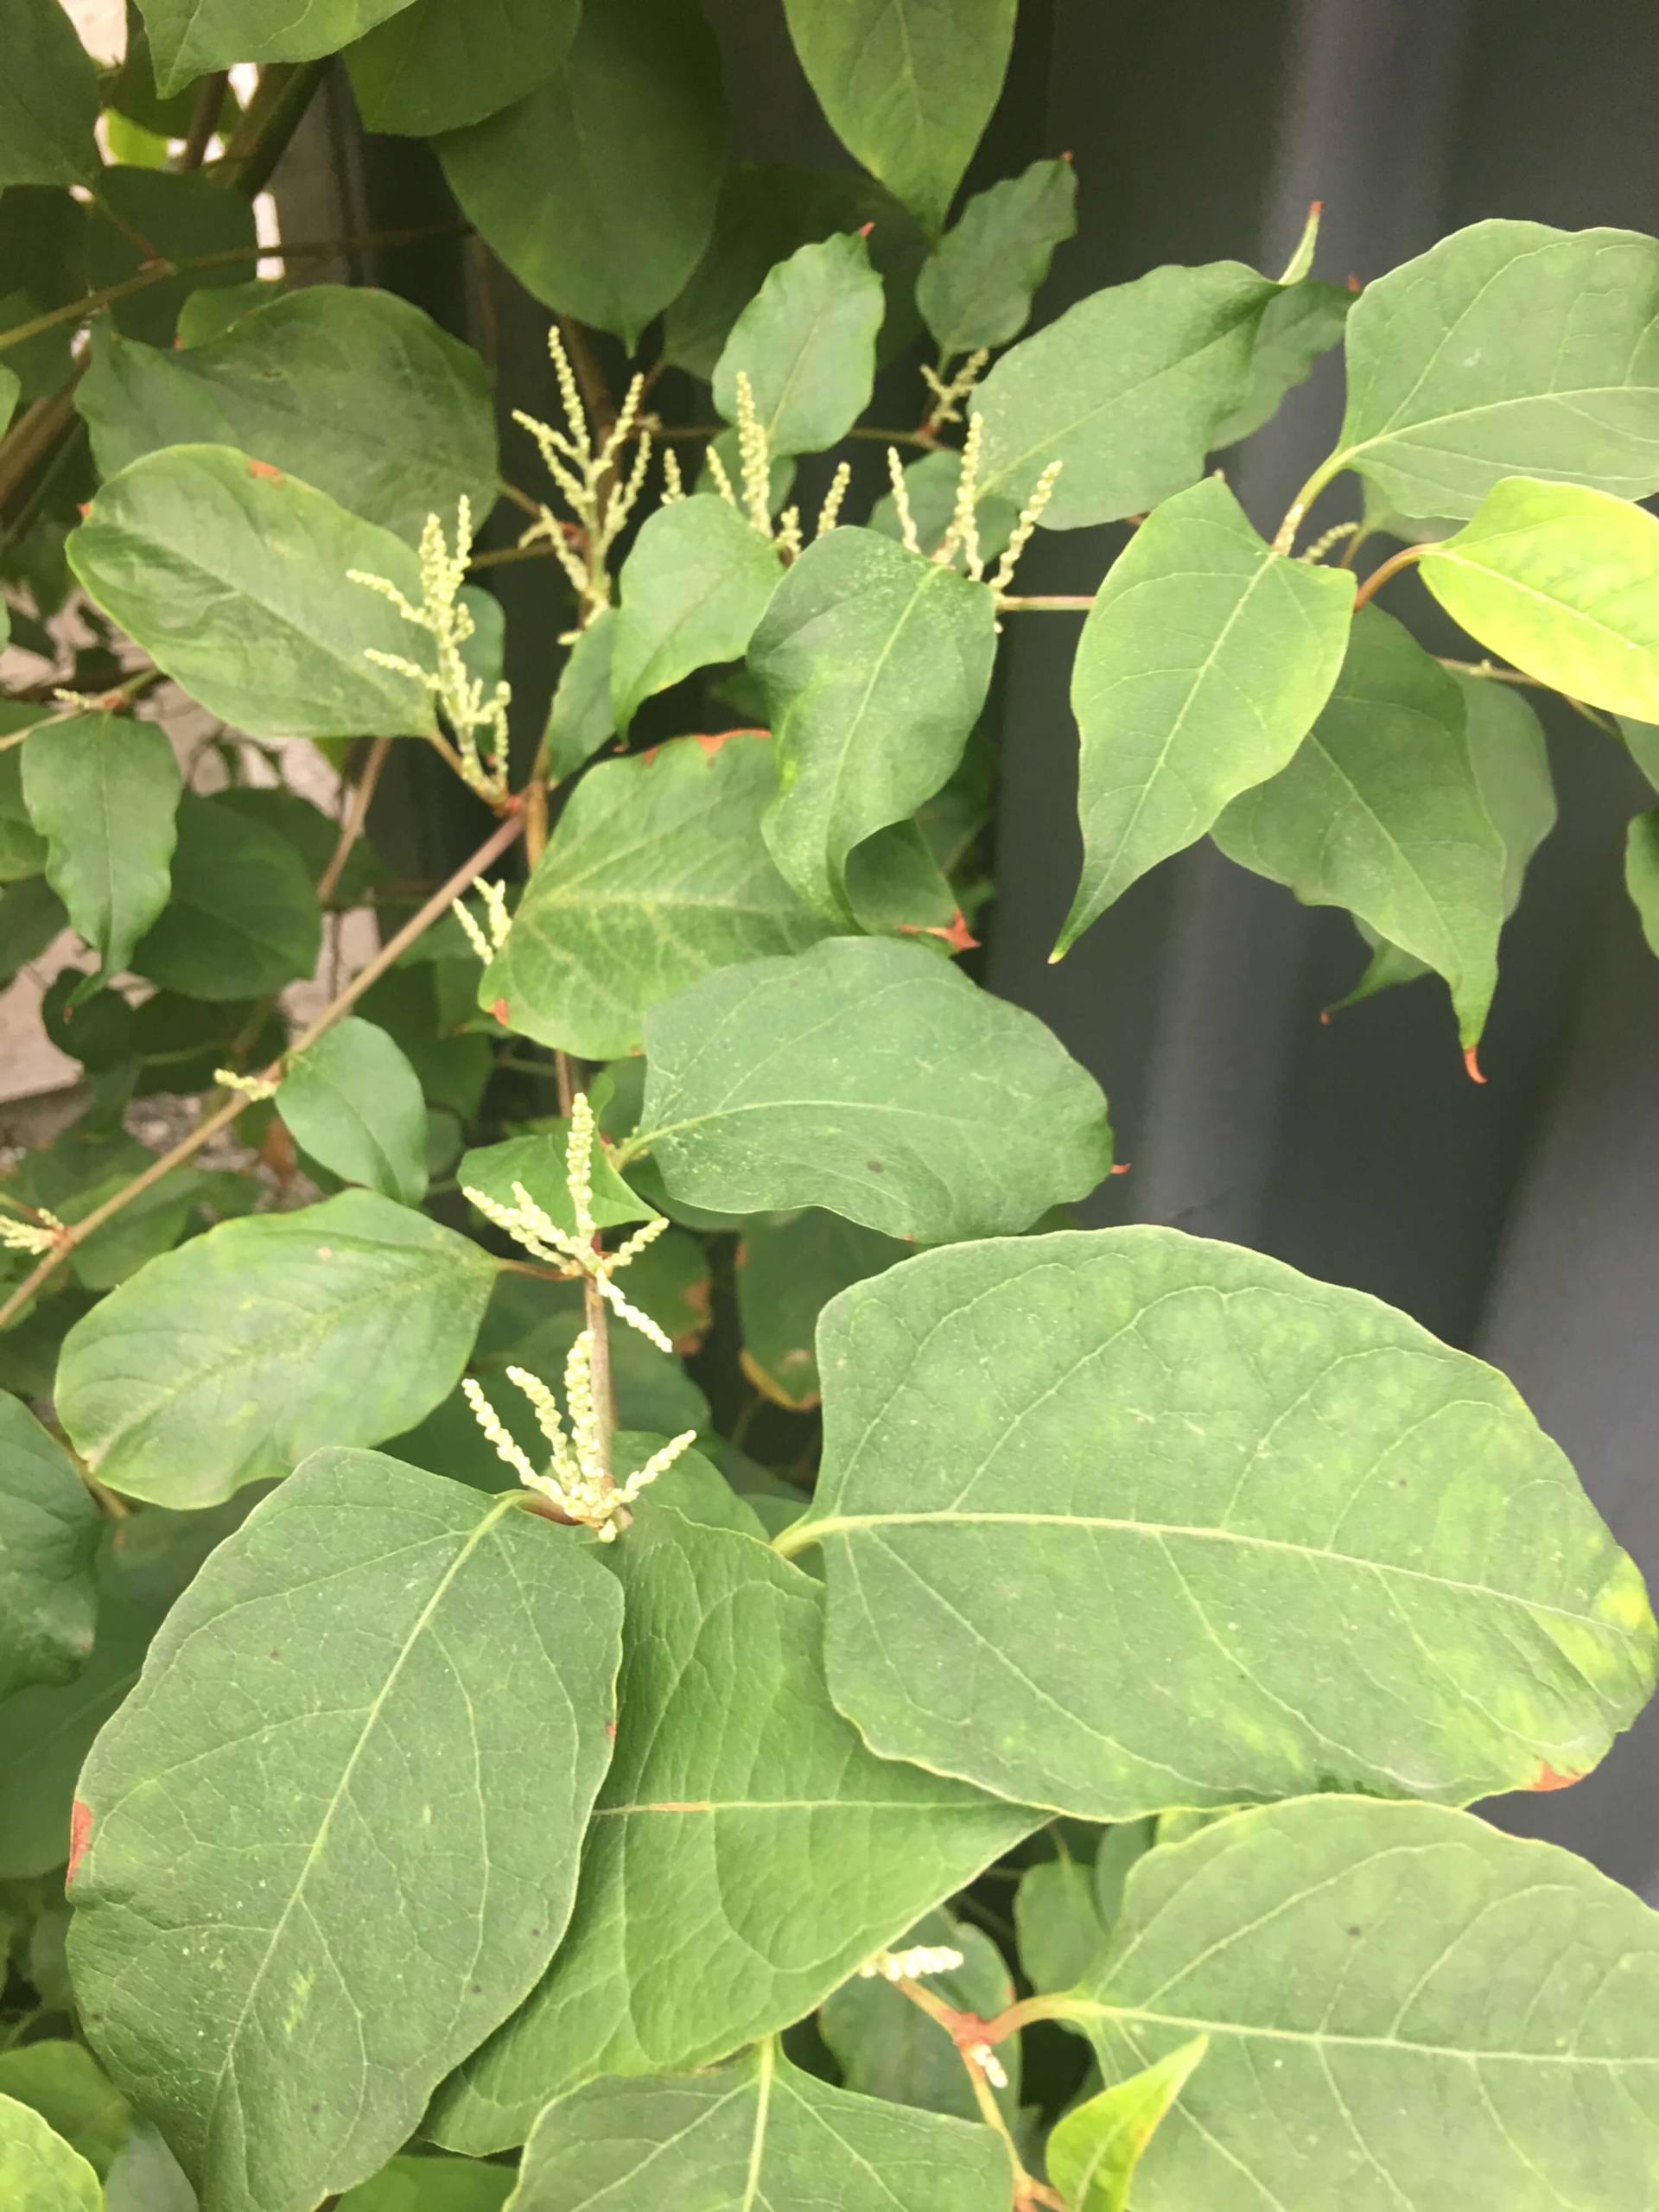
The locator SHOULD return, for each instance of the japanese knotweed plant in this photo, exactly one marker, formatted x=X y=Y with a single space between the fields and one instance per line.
x=612 y=1608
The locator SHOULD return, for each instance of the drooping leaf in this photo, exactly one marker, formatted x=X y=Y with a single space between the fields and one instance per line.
x=1202 y=665
x=759 y=2132
x=1300 y=322
x=931 y=489
x=189 y=37
x=1380 y=811
x=1560 y=580
x=702 y=1920
x=66 y=2085
x=977 y=289
x=788 y=1270
x=1129 y=1483
x=1128 y=390
x=433 y=2184
x=48 y=97
x=433 y=66
x=372 y=1862
x=908 y=86
x=38 y=2172
x=353 y=1102
x=1058 y=1922
x=233 y=1358
x=1401 y=1992
x=1642 y=873
x=887 y=2047
x=806 y=342
x=356 y=392
x=1094 y=2153
x=655 y=874
x=49 y=1534
x=874 y=663
x=103 y=789
x=872 y=1079
x=233 y=577
x=142 y=213
x=598 y=190
x=243 y=920
x=580 y=718
x=693 y=588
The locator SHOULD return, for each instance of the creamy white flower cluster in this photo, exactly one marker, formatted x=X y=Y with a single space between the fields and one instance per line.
x=963 y=532
x=598 y=495
x=37 y=1236
x=494 y=896
x=912 y=1965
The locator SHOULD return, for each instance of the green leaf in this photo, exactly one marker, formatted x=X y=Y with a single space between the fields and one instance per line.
x=11 y=391
x=539 y=1162
x=870 y=1077
x=432 y=2184
x=1207 y=1468
x=701 y=1918
x=433 y=66
x=1055 y=1917
x=1128 y=390
x=1561 y=581
x=23 y=849
x=66 y=2085
x=358 y=393
x=1201 y=667
x=1400 y=1992
x=371 y=1861
x=38 y=2172
x=977 y=289
x=103 y=789
x=693 y=588
x=1380 y=811
x=580 y=717
x=1508 y=348
x=874 y=663
x=1094 y=2153
x=36 y=366
x=49 y=1534
x=930 y=488
x=758 y=2134
x=147 y=2178
x=243 y=920
x=98 y=1031
x=1642 y=874
x=177 y=215
x=1300 y=322
x=233 y=1358
x=189 y=37
x=452 y=1068
x=598 y=191
x=655 y=874
x=1643 y=740
x=806 y=342
x=234 y=580
x=887 y=2047
x=48 y=97
x=1121 y=1850
x=353 y=1102
x=894 y=885
x=788 y=1268
x=908 y=86
x=314 y=835
x=207 y=315
x=31 y=915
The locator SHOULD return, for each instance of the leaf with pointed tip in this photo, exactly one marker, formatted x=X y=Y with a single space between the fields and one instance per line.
x=38 y=2172
x=579 y=719
x=692 y=589
x=887 y=2047
x=977 y=290
x=758 y=2133
x=48 y=98
x=806 y=341
x=598 y=189
x=1202 y=665
x=872 y=1079
x=708 y=1913
x=787 y=1271
x=874 y=663
x=1301 y=321
x=368 y=1860
x=1642 y=874
x=103 y=789
x=1126 y=1483
x=655 y=874
x=243 y=920
x=188 y=38
x=1127 y=391
x=1380 y=811
x=1095 y=2150
x=232 y=577
x=434 y=67
x=354 y=1104
x=233 y=1358
x=49 y=1534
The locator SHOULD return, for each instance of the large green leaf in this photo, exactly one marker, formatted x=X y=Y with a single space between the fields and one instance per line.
x=353 y=1102
x=579 y=719
x=977 y=289
x=233 y=577
x=759 y=2134
x=189 y=37
x=874 y=663
x=38 y=2172
x=1196 y=1528
x=1128 y=390
x=1301 y=321
x=243 y=920
x=368 y=1858
x=1380 y=811
x=432 y=2184
x=1642 y=874
x=887 y=2047
x=655 y=874
x=693 y=588
x=1095 y=2151
x=598 y=191
x=48 y=97
x=1562 y=581
x=806 y=342
x=234 y=1357
x=706 y=1914
x=177 y=215
x=789 y=1267
x=48 y=1533
x=63 y=2083
x=434 y=67
x=1405 y=2007
x=870 y=1077
x=1507 y=349
x=908 y=86
x=358 y=393
x=103 y=789
x=1201 y=667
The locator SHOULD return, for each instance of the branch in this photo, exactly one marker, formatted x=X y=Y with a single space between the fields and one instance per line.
x=1063 y=602
x=204 y=119
x=352 y=828
x=970 y=2034
x=1391 y=567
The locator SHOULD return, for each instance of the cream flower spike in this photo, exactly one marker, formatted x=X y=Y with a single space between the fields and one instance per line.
x=597 y=492
x=912 y=1965
x=494 y=896
x=35 y=1237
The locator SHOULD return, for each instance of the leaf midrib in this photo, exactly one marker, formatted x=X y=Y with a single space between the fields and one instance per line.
x=1317 y=2038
